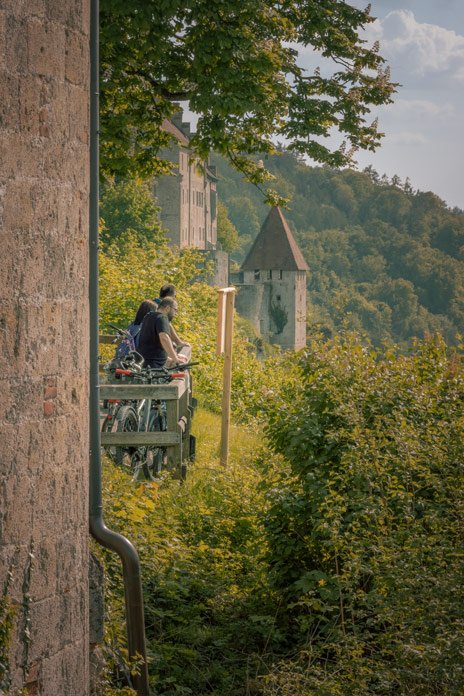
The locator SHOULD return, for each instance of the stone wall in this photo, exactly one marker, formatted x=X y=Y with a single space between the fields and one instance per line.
x=254 y=299
x=188 y=201
x=44 y=341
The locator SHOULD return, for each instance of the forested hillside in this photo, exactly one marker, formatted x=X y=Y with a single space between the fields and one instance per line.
x=384 y=259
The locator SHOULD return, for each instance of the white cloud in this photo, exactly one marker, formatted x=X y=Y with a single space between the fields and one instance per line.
x=420 y=49
x=420 y=108
x=407 y=138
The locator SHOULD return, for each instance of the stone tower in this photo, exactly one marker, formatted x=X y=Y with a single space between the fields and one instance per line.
x=272 y=285
x=44 y=188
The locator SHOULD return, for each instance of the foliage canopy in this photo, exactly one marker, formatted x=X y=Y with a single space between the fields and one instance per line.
x=236 y=63
x=128 y=208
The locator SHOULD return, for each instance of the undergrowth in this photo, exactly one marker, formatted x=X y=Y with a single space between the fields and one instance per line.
x=210 y=620
x=326 y=562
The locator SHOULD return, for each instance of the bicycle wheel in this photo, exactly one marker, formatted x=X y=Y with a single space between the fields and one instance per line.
x=126 y=422
x=155 y=457
x=107 y=427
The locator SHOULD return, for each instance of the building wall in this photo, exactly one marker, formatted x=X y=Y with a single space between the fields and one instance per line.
x=44 y=341
x=187 y=202
x=300 y=310
x=283 y=289
x=168 y=194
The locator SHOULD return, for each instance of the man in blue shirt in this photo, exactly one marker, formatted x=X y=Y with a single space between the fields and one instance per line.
x=155 y=343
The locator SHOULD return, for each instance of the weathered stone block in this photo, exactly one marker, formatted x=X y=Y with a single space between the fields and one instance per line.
x=16 y=523
x=66 y=672
x=46 y=52
x=2 y=38
x=16 y=43
x=17 y=206
x=76 y=64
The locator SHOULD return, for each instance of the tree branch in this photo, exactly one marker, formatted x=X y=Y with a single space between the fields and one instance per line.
x=159 y=87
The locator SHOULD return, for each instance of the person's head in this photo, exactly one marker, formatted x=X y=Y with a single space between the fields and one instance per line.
x=167 y=290
x=145 y=307
x=168 y=306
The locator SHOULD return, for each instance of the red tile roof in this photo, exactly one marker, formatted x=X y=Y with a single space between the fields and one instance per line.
x=170 y=128
x=275 y=247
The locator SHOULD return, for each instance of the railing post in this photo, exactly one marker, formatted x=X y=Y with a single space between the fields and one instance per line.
x=225 y=340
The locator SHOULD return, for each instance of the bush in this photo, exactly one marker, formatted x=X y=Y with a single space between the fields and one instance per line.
x=365 y=521
x=209 y=616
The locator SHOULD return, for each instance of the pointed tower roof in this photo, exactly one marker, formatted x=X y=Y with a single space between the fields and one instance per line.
x=275 y=247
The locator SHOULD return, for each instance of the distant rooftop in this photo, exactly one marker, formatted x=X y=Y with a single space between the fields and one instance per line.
x=176 y=132
x=275 y=247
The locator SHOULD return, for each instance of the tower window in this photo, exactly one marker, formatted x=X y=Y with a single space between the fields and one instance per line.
x=278 y=298
x=257 y=275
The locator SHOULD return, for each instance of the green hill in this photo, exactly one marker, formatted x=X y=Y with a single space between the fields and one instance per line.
x=384 y=259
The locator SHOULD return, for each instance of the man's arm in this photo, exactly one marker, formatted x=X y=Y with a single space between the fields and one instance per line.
x=176 y=339
x=166 y=342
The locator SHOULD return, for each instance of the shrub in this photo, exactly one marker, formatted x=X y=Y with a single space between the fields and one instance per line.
x=365 y=520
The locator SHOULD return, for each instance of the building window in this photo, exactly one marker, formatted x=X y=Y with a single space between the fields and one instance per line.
x=280 y=275
x=212 y=203
x=278 y=298
x=257 y=275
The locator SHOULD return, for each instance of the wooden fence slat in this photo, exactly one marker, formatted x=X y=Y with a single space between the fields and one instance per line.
x=109 y=338
x=164 y=392
x=165 y=438
x=172 y=418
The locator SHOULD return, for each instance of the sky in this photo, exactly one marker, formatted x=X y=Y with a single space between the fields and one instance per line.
x=423 y=42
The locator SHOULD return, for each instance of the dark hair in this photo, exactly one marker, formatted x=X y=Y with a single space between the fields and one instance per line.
x=145 y=307
x=167 y=302
x=167 y=290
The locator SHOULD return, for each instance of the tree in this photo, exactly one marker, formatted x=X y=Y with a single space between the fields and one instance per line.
x=128 y=207
x=227 y=233
x=236 y=65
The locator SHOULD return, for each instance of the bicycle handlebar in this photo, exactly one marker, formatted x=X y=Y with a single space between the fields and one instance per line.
x=121 y=332
x=161 y=373
x=181 y=366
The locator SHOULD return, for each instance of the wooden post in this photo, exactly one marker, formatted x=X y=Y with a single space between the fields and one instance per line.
x=225 y=339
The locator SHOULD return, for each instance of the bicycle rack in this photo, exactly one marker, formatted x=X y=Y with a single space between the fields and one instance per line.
x=176 y=438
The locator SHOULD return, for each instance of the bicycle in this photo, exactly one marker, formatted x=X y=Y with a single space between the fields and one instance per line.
x=143 y=415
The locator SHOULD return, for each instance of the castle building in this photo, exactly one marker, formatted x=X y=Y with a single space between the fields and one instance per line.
x=272 y=285
x=187 y=197
x=188 y=201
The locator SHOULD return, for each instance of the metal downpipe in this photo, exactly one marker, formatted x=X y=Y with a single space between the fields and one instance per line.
x=106 y=537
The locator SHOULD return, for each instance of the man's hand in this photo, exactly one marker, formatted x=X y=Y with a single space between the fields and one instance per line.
x=180 y=360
